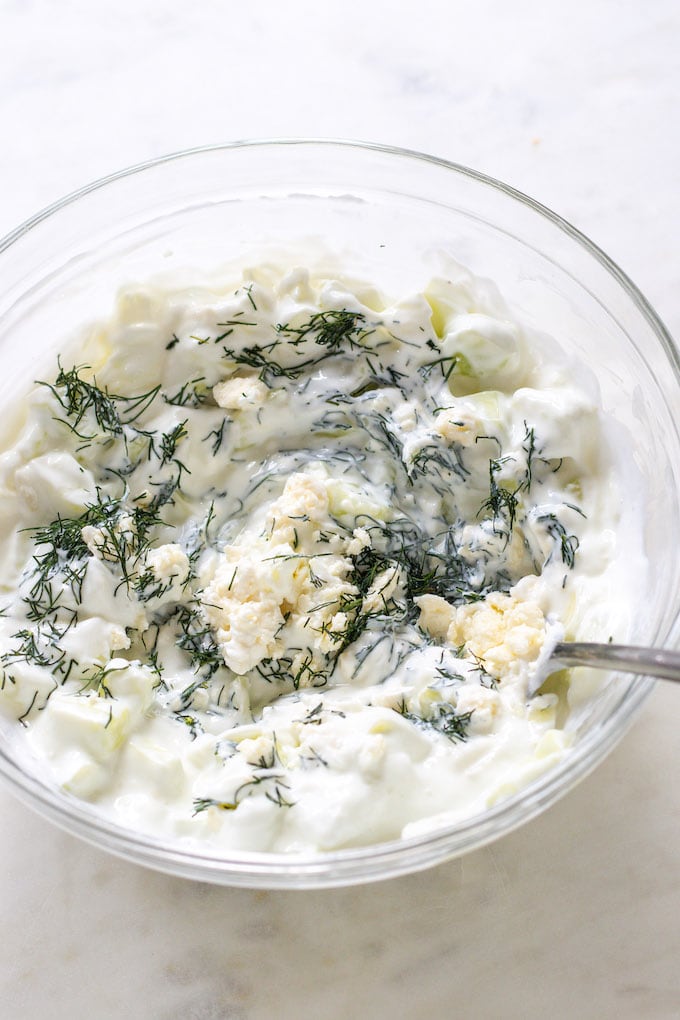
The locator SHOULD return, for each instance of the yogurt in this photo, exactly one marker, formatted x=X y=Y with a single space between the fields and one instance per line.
x=281 y=556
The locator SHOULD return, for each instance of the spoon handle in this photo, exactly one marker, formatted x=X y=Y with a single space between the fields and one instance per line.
x=628 y=659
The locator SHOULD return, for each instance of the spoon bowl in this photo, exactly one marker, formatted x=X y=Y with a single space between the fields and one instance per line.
x=655 y=662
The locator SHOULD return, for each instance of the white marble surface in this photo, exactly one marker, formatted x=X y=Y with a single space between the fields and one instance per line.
x=577 y=914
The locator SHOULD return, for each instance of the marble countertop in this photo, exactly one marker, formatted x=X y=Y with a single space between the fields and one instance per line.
x=575 y=914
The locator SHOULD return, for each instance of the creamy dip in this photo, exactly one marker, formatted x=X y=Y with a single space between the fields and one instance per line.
x=279 y=558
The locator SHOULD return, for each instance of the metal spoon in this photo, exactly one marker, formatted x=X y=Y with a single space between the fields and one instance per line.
x=658 y=662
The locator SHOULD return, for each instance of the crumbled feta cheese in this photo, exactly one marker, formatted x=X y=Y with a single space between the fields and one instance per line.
x=484 y=704
x=304 y=497
x=105 y=543
x=501 y=631
x=360 y=540
x=170 y=569
x=435 y=615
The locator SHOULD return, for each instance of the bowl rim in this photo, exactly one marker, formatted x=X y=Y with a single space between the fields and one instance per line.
x=396 y=857
x=508 y=190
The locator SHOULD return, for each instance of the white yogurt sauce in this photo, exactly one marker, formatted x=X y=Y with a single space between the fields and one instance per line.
x=279 y=559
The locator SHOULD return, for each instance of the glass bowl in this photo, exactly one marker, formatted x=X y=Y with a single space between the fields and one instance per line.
x=384 y=212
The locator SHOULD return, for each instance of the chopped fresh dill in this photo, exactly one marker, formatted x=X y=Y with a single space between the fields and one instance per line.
x=567 y=544
x=529 y=447
x=447 y=365
x=96 y=680
x=274 y=787
x=332 y=329
x=191 y=722
x=190 y=394
x=444 y=720
x=169 y=441
x=120 y=535
x=336 y=331
x=203 y=803
x=81 y=399
x=24 y=716
x=197 y=639
x=502 y=502
x=218 y=433
x=430 y=459
x=186 y=696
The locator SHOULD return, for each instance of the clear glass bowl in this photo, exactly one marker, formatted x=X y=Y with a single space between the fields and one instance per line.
x=384 y=212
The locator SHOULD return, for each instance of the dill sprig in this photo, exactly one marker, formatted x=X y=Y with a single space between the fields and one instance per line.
x=62 y=555
x=191 y=722
x=336 y=331
x=148 y=585
x=332 y=329
x=423 y=569
x=186 y=696
x=431 y=565
x=444 y=720
x=567 y=544
x=169 y=441
x=218 y=433
x=60 y=551
x=430 y=459
x=79 y=397
x=274 y=787
x=502 y=501
x=190 y=394
x=529 y=447
x=259 y=357
x=447 y=364
x=96 y=680
x=389 y=379
x=308 y=671
x=197 y=639
x=203 y=803
x=40 y=647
